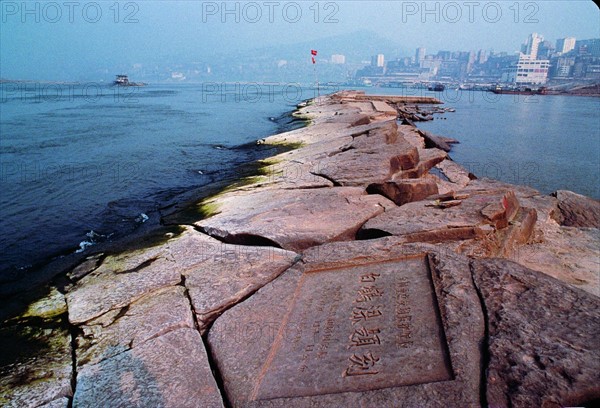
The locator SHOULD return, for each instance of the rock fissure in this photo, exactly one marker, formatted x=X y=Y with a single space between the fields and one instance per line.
x=326 y=177
x=484 y=346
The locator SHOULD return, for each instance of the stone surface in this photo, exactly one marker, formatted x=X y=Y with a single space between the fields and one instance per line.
x=578 y=210
x=405 y=191
x=153 y=315
x=359 y=328
x=376 y=156
x=118 y=282
x=403 y=321
x=229 y=273
x=542 y=338
x=565 y=253
x=293 y=219
x=57 y=403
x=455 y=173
x=432 y=140
x=171 y=370
x=290 y=338
x=428 y=158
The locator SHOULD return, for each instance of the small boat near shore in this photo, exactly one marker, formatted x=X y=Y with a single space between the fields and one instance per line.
x=519 y=91
x=123 y=80
x=436 y=87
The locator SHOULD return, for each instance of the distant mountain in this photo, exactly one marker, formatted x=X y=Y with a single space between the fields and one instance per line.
x=357 y=46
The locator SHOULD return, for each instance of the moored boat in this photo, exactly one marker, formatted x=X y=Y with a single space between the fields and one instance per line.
x=123 y=80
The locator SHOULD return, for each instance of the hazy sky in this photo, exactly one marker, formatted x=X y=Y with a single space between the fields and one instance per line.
x=48 y=40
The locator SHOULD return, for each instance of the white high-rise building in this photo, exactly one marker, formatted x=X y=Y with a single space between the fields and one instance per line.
x=564 y=45
x=531 y=47
x=378 y=60
x=420 y=54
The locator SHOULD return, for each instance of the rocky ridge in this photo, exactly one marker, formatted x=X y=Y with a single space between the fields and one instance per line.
x=364 y=268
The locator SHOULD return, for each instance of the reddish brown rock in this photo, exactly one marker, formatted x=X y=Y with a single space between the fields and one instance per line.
x=171 y=370
x=502 y=212
x=432 y=140
x=293 y=219
x=119 y=281
x=117 y=331
x=577 y=210
x=360 y=120
x=542 y=338
x=372 y=156
x=405 y=191
x=519 y=233
x=287 y=345
x=226 y=274
x=428 y=158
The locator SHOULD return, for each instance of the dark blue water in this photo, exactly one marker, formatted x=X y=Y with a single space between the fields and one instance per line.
x=81 y=165
x=93 y=164
x=547 y=142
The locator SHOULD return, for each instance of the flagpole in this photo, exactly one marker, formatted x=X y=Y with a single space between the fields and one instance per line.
x=317 y=81
x=314 y=61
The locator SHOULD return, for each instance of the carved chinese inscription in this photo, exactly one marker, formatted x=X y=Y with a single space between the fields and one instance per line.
x=356 y=329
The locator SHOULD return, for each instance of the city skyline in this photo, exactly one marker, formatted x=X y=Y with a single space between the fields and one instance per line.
x=51 y=41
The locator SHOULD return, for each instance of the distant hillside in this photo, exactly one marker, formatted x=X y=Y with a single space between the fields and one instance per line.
x=358 y=46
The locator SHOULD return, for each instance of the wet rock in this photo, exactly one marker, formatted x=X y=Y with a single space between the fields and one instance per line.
x=85 y=267
x=432 y=140
x=577 y=210
x=293 y=219
x=35 y=364
x=171 y=370
x=542 y=338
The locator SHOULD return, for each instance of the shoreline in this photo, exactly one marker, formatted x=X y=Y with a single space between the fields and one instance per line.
x=358 y=191
x=51 y=270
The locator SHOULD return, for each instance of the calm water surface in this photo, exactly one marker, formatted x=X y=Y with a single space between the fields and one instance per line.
x=82 y=168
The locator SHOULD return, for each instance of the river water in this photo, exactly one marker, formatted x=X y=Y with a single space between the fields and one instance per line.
x=86 y=163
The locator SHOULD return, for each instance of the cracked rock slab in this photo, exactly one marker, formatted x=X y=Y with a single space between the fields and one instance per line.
x=293 y=219
x=218 y=275
x=543 y=338
x=113 y=286
x=171 y=370
x=117 y=331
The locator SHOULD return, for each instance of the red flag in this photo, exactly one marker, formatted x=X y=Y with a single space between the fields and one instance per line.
x=313 y=52
x=313 y=60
